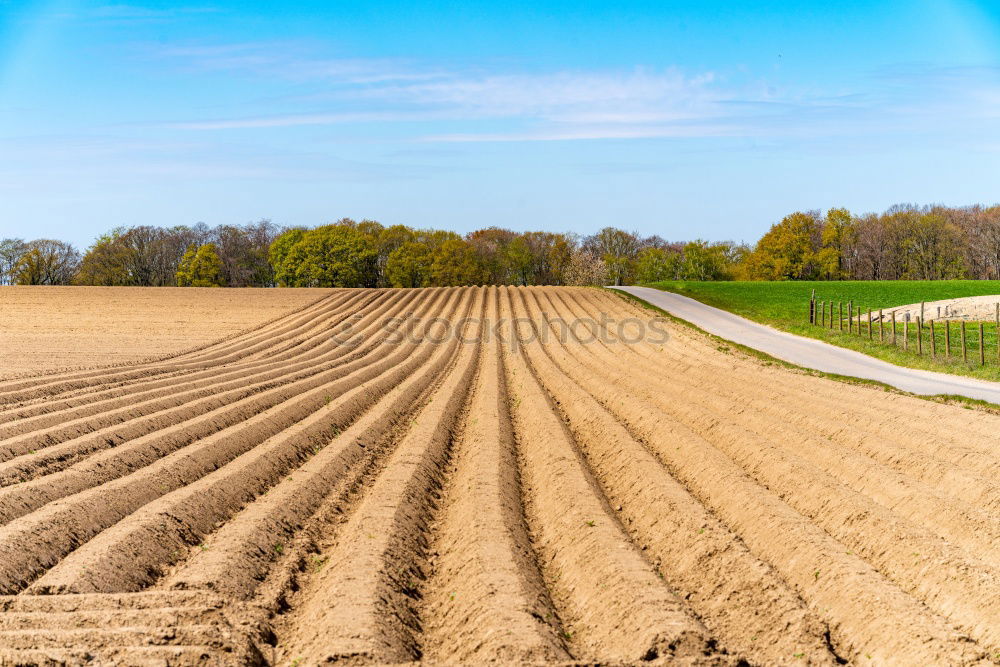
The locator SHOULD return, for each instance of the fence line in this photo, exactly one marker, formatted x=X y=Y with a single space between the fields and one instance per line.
x=818 y=317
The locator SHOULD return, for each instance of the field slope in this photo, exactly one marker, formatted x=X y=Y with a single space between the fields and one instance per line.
x=348 y=484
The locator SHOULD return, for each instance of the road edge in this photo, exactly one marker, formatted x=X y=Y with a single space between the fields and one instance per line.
x=944 y=399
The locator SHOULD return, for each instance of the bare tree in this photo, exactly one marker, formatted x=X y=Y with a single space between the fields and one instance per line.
x=11 y=251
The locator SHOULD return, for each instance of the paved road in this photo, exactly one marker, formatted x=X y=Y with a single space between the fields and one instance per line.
x=811 y=353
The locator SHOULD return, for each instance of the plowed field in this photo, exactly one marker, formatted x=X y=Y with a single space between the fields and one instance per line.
x=45 y=328
x=361 y=482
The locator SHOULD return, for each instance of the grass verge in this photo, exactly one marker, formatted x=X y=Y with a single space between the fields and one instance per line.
x=785 y=306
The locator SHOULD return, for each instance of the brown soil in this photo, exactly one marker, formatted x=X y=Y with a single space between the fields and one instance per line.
x=284 y=497
x=44 y=329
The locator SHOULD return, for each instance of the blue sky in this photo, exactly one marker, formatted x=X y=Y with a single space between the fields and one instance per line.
x=685 y=119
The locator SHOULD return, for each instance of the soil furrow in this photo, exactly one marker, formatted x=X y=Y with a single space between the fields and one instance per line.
x=361 y=603
x=238 y=557
x=133 y=553
x=123 y=459
x=869 y=616
x=57 y=411
x=53 y=386
x=342 y=484
x=893 y=420
x=965 y=526
x=125 y=413
x=953 y=470
x=66 y=524
x=918 y=561
x=741 y=599
x=48 y=386
x=484 y=599
x=613 y=604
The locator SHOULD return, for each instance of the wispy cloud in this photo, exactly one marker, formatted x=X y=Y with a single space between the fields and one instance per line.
x=594 y=132
x=125 y=11
x=583 y=104
x=578 y=104
x=290 y=61
x=119 y=14
x=294 y=120
x=558 y=95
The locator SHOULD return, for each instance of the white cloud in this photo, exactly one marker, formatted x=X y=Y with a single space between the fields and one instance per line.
x=291 y=120
x=560 y=93
x=592 y=132
x=352 y=90
x=579 y=104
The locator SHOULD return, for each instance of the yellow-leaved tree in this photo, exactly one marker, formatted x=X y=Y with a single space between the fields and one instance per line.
x=788 y=251
x=200 y=267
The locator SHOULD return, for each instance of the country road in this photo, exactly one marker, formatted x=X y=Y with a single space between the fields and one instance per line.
x=811 y=353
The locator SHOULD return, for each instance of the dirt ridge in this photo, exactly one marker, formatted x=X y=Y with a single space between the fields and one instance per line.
x=321 y=488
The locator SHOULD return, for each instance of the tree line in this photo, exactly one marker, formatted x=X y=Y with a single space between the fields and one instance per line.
x=144 y=256
x=359 y=254
x=904 y=242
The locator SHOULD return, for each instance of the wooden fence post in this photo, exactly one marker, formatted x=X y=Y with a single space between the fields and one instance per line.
x=881 y=327
x=965 y=351
x=850 y=315
x=822 y=314
x=894 y=327
x=920 y=335
x=869 y=324
x=982 y=346
x=840 y=314
x=906 y=334
x=947 y=338
x=933 y=342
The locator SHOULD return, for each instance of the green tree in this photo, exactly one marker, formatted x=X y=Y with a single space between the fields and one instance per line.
x=278 y=252
x=107 y=262
x=702 y=260
x=521 y=261
x=331 y=256
x=200 y=267
x=409 y=265
x=434 y=238
x=390 y=239
x=455 y=262
x=654 y=264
